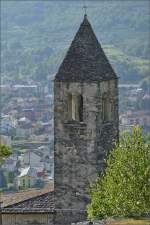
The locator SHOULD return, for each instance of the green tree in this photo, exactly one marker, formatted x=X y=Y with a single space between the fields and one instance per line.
x=5 y=151
x=124 y=187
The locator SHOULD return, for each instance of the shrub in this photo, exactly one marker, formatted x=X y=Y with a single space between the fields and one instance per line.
x=5 y=151
x=124 y=187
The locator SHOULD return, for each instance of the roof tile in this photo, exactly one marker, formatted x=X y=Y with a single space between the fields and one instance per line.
x=85 y=60
x=41 y=203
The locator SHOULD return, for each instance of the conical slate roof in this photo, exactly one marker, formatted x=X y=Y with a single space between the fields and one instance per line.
x=85 y=60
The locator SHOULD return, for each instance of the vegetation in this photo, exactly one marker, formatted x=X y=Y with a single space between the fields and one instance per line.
x=130 y=222
x=5 y=151
x=124 y=188
x=35 y=36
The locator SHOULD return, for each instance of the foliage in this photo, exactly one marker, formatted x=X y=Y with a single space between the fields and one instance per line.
x=35 y=36
x=147 y=138
x=5 y=151
x=124 y=188
x=141 y=221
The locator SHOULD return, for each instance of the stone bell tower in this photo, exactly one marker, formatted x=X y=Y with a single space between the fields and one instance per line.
x=85 y=121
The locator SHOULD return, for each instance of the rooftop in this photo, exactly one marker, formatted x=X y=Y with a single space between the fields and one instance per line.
x=38 y=204
x=13 y=198
x=85 y=60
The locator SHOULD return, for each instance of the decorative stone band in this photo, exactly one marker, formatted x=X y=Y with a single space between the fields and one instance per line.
x=69 y=210
x=26 y=210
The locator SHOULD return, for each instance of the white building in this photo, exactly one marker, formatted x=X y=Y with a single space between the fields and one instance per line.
x=27 y=178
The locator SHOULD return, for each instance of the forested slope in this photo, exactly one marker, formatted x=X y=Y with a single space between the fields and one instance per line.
x=36 y=35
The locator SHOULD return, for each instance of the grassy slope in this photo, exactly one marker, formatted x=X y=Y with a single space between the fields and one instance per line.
x=130 y=222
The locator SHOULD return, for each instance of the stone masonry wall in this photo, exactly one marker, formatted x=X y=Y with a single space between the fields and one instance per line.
x=66 y=217
x=102 y=222
x=80 y=147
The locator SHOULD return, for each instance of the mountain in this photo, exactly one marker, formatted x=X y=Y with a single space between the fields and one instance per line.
x=35 y=36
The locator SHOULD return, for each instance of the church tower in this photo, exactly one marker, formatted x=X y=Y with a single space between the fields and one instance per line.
x=85 y=122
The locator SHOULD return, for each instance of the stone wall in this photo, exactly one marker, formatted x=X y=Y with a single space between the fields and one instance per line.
x=91 y=223
x=66 y=217
x=80 y=147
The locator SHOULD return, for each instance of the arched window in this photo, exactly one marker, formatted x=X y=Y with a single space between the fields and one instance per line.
x=75 y=107
x=107 y=108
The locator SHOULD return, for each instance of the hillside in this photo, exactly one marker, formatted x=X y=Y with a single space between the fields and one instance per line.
x=37 y=34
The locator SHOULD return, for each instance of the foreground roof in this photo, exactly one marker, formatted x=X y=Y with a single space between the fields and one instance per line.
x=40 y=204
x=85 y=59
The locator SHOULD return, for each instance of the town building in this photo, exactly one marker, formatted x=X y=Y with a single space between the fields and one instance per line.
x=27 y=178
x=36 y=210
x=139 y=118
